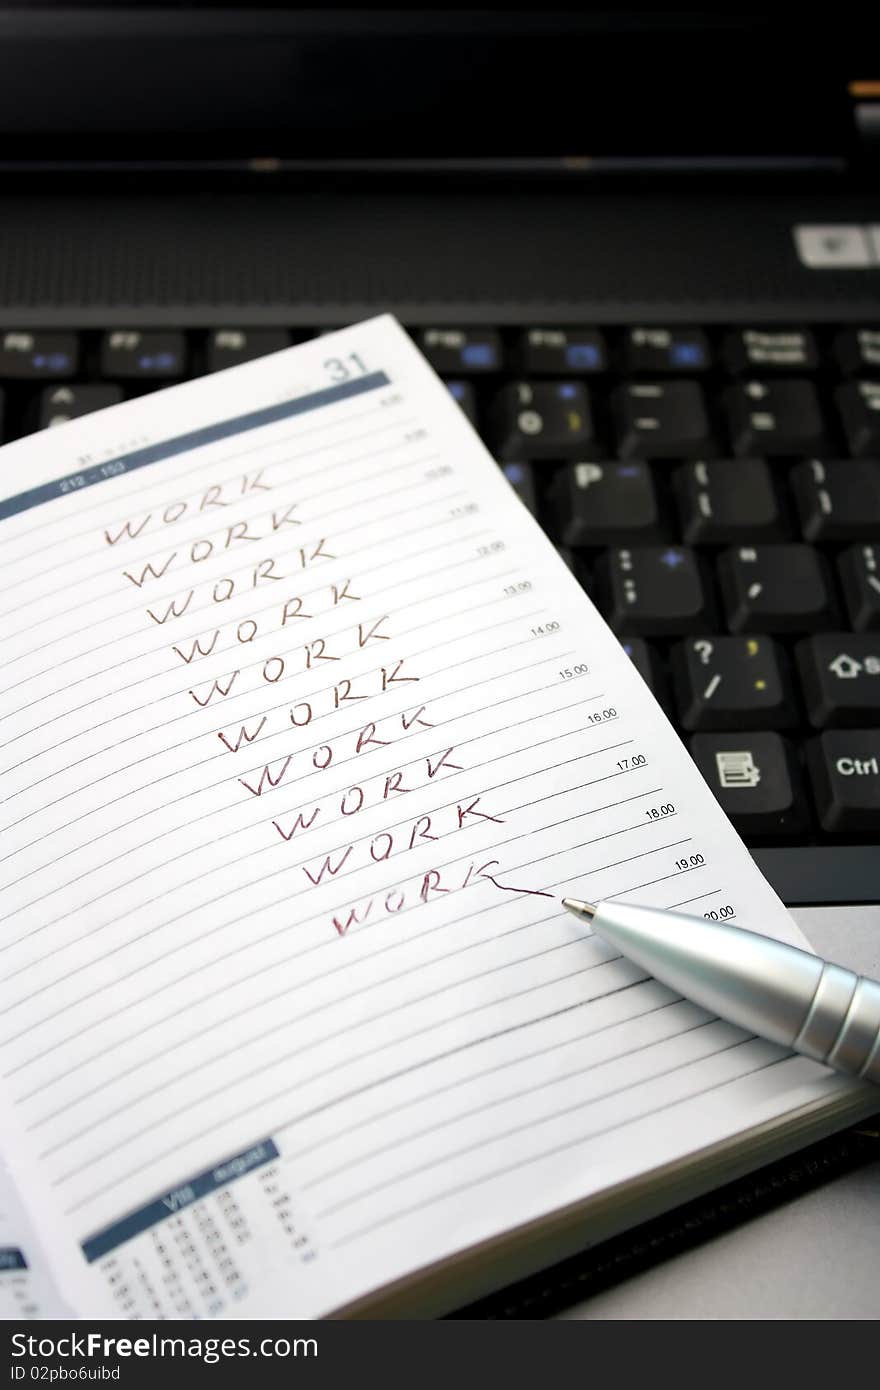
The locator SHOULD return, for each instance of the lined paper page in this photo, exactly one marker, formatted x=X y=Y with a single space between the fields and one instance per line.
x=306 y=731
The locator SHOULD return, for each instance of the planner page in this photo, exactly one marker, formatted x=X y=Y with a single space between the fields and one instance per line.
x=306 y=731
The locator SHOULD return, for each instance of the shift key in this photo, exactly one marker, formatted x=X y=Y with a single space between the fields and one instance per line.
x=845 y=772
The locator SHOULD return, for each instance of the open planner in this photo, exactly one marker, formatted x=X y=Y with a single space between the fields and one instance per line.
x=306 y=731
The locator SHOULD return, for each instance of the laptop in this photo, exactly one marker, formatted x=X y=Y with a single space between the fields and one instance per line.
x=642 y=250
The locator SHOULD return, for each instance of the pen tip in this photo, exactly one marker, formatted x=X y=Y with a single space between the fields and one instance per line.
x=580 y=908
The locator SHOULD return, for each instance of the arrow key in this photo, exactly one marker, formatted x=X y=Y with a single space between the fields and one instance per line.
x=840 y=675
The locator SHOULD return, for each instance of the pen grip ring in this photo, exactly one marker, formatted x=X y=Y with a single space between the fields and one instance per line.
x=842 y=1027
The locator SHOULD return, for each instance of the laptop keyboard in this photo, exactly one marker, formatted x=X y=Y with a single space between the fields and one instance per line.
x=715 y=491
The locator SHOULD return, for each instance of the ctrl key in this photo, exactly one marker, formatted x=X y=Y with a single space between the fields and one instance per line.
x=756 y=779
x=844 y=768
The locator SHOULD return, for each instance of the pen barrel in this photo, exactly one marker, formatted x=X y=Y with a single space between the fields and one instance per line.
x=842 y=1024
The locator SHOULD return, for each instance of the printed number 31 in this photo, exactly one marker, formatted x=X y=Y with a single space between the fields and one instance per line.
x=343 y=368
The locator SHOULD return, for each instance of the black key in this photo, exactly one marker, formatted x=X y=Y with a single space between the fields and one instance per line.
x=2 y=409
x=732 y=683
x=844 y=767
x=656 y=350
x=521 y=477
x=58 y=404
x=451 y=351
x=559 y=351
x=840 y=676
x=229 y=347
x=776 y=588
x=839 y=500
x=775 y=417
x=27 y=356
x=727 y=500
x=463 y=392
x=542 y=420
x=656 y=419
x=857 y=350
x=859 y=406
x=606 y=503
x=653 y=590
x=756 y=780
x=859 y=569
x=769 y=350
x=644 y=658
x=130 y=354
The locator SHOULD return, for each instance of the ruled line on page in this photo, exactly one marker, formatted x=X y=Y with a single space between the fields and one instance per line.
x=156 y=599
x=114 y=570
x=307 y=695
x=325 y=795
x=569 y=1144
x=202 y=516
x=310 y=748
x=367 y=616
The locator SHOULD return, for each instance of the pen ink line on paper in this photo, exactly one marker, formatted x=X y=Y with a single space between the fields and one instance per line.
x=194 y=439
x=258 y=573
x=200 y=513
x=218 y=1124
x=428 y=1095
x=134 y=1100
x=22 y=1000
x=208 y=465
x=395 y=1145
x=317 y=946
x=260 y=1004
x=570 y=1143
x=44 y=926
x=175 y=719
x=276 y=517
x=123 y=825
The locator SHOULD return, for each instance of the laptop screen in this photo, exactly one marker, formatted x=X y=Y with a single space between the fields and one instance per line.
x=212 y=84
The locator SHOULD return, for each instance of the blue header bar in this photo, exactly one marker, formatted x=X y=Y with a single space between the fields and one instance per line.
x=182 y=443
x=178 y=1199
x=11 y=1258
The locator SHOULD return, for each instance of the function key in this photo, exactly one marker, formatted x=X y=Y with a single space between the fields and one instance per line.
x=840 y=675
x=461 y=350
x=542 y=420
x=58 y=404
x=732 y=683
x=132 y=355
x=779 y=417
x=857 y=350
x=756 y=780
x=558 y=351
x=859 y=406
x=838 y=501
x=727 y=500
x=859 y=569
x=776 y=588
x=26 y=356
x=463 y=392
x=229 y=347
x=657 y=350
x=661 y=420
x=845 y=771
x=606 y=503
x=770 y=349
x=653 y=590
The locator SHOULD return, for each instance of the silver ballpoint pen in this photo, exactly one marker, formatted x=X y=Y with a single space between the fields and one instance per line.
x=776 y=991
